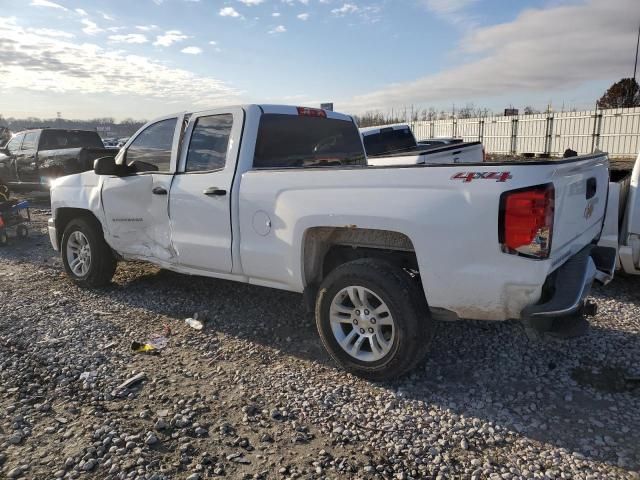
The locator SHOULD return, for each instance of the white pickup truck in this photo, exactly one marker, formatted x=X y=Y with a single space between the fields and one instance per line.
x=396 y=145
x=282 y=197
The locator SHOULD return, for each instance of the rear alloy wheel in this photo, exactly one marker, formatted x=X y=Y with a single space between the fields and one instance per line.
x=373 y=319
x=362 y=324
x=87 y=258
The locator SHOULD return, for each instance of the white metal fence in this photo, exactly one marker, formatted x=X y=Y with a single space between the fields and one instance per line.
x=616 y=131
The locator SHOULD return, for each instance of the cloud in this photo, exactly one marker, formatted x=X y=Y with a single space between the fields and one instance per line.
x=49 y=32
x=275 y=14
x=541 y=50
x=128 y=38
x=170 y=37
x=106 y=16
x=31 y=62
x=90 y=28
x=192 y=50
x=303 y=16
x=81 y=12
x=146 y=28
x=451 y=10
x=345 y=9
x=47 y=3
x=229 y=12
x=251 y=3
x=278 y=29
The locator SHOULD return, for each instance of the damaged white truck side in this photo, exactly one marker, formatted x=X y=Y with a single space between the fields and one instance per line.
x=282 y=197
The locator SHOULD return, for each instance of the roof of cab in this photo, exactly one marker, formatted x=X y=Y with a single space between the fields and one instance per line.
x=374 y=130
x=284 y=110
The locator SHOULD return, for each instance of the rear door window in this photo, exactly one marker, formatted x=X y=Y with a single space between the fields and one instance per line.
x=295 y=141
x=151 y=150
x=209 y=143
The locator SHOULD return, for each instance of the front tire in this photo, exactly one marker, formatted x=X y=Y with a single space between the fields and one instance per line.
x=86 y=257
x=373 y=319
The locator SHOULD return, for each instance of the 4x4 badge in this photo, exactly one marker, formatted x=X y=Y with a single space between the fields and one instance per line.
x=467 y=177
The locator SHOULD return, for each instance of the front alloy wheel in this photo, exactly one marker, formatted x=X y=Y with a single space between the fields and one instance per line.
x=79 y=253
x=87 y=258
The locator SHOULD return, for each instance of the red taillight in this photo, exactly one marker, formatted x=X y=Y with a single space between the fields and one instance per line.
x=311 y=112
x=526 y=221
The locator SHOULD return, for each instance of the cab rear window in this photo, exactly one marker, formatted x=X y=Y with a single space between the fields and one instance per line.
x=389 y=140
x=296 y=141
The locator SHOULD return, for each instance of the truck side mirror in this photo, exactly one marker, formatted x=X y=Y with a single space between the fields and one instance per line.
x=108 y=166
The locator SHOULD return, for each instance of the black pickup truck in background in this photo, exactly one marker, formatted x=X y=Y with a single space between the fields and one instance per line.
x=31 y=159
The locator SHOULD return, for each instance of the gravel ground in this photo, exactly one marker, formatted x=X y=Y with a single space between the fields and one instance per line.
x=253 y=395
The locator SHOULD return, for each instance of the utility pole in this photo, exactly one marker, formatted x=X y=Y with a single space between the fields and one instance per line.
x=635 y=65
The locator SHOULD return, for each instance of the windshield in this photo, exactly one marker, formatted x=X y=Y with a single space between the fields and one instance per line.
x=289 y=141
x=59 y=139
x=389 y=140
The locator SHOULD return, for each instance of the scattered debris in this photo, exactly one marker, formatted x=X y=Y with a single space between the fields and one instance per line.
x=137 y=347
x=54 y=340
x=158 y=341
x=109 y=345
x=193 y=323
x=129 y=383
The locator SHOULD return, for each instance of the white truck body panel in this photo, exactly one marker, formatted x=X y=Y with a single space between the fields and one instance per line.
x=629 y=255
x=257 y=233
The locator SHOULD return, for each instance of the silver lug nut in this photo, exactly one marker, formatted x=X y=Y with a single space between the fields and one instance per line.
x=371 y=330
x=362 y=330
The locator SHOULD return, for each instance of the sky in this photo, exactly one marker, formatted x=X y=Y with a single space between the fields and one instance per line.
x=146 y=58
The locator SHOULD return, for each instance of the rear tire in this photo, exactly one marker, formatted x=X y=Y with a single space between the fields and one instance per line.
x=86 y=257
x=373 y=319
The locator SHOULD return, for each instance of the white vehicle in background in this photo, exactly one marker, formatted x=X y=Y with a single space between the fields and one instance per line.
x=396 y=145
x=282 y=197
x=622 y=227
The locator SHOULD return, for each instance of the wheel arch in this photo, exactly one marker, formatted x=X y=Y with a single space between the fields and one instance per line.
x=325 y=248
x=64 y=215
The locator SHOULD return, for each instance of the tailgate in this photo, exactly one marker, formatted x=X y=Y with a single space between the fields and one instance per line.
x=581 y=191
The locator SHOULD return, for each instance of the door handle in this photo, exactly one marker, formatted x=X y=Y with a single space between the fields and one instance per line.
x=592 y=188
x=214 y=192
x=159 y=191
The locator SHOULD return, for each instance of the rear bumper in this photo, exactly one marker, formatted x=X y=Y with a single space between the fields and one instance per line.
x=570 y=285
x=53 y=234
